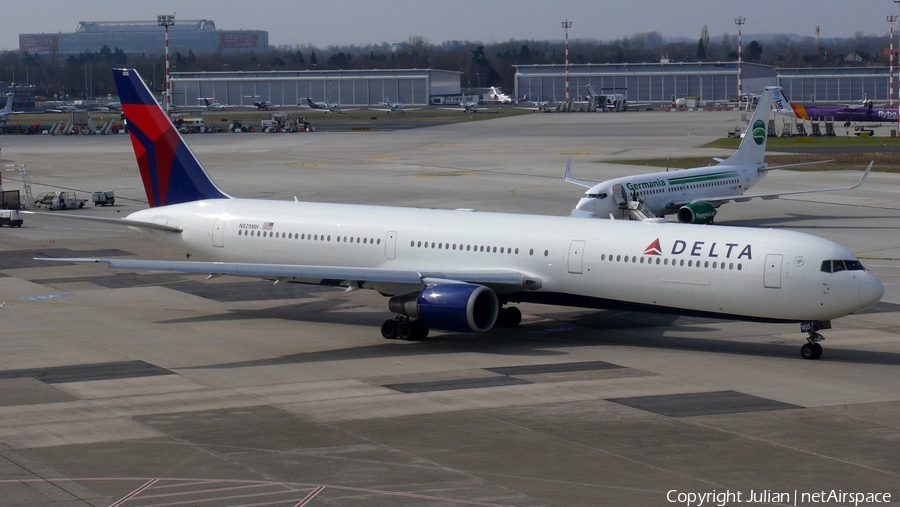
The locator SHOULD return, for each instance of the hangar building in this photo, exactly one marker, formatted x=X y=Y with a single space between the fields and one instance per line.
x=708 y=81
x=199 y=36
x=347 y=87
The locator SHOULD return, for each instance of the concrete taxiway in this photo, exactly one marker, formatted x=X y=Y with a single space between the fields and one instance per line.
x=166 y=389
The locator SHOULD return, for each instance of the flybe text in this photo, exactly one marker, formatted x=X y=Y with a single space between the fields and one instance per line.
x=712 y=250
x=887 y=114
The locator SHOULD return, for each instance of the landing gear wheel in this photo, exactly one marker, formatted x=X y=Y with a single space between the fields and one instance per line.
x=807 y=351
x=509 y=317
x=404 y=330
x=389 y=329
x=412 y=330
x=812 y=349
x=420 y=330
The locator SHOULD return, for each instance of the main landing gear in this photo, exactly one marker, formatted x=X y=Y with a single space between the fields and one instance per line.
x=404 y=328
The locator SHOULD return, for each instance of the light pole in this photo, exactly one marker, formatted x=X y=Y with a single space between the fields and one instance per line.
x=739 y=21
x=892 y=86
x=167 y=20
x=890 y=19
x=566 y=25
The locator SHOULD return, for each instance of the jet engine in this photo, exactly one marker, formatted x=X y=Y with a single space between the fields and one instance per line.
x=462 y=307
x=696 y=213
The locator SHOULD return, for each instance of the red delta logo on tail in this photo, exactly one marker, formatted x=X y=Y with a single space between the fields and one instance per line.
x=169 y=170
x=654 y=248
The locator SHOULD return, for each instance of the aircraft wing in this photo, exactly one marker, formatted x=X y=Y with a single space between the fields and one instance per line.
x=504 y=280
x=109 y=220
x=717 y=201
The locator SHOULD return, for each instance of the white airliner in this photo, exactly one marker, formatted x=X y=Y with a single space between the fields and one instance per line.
x=325 y=107
x=455 y=270
x=692 y=194
x=7 y=111
x=500 y=97
x=393 y=107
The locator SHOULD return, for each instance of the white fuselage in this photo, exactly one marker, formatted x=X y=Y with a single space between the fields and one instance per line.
x=735 y=272
x=663 y=191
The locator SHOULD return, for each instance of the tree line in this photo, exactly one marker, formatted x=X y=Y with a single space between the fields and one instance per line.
x=88 y=75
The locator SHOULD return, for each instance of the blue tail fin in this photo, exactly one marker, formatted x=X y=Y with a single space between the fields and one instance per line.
x=170 y=171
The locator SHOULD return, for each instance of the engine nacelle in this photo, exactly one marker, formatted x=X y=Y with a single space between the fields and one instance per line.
x=696 y=213
x=462 y=307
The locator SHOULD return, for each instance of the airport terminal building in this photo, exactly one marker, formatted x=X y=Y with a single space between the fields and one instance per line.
x=415 y=87
x=199 y=36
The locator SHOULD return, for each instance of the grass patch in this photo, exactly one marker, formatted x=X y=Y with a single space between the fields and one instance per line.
x=884 y=151
x=817 y=142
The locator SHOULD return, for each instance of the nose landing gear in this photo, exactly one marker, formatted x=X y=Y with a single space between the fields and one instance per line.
x=811 y=349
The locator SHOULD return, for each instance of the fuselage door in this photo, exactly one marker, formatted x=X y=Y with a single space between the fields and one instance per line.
x=576 y=256
x=390 y=245
x=772 y=274
x=218 y=233
x=620 y=196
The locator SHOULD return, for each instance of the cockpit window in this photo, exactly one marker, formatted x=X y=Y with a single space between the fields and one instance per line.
x=601 y=195
x=835 y=265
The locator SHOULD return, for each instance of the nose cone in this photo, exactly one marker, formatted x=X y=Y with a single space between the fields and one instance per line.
x=870 y=290
x=586 y=204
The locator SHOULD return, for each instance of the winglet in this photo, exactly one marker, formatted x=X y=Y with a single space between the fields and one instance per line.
x=170 y=171
x=863 y=178
x=568 y=176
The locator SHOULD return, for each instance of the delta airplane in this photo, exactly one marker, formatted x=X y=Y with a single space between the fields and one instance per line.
x=325 y=107
x=864 y=113
x=393 y=107
x=458 y=270
x=7 y=111
x=695 y=194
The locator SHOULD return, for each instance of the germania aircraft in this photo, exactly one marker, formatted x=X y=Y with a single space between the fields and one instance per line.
x=7 y=111
x=862 y=113
x=692 y=194
x=456 y=270
x=325 y=107
x=393 y=107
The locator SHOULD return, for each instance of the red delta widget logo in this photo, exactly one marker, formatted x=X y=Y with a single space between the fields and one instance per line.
x=712 y=250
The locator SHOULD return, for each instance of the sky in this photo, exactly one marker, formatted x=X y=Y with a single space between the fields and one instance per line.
x=362 y=22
